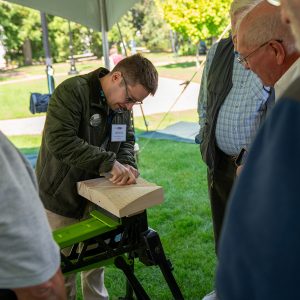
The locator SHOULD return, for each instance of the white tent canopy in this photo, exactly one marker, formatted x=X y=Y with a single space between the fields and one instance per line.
x=86 y=12
x=99 y=15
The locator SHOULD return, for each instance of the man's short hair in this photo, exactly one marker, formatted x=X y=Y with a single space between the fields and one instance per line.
x=139 y=70
x=241 y=6
x=267 y=26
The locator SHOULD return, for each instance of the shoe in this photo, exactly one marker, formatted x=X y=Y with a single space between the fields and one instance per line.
x=211 y=296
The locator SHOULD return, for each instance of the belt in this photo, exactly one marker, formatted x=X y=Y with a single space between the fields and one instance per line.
x=225 y=159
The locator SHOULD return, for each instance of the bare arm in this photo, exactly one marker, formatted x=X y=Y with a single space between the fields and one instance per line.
x=53 y=289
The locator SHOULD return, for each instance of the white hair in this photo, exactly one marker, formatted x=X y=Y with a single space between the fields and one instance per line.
x=242 y=6
x=291 y=8
x=238 y=9
x=264 y=27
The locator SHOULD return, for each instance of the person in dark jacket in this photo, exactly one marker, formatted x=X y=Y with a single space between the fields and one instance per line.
x=88 y=132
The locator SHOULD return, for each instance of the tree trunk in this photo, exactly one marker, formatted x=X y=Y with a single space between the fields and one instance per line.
x=27 y=52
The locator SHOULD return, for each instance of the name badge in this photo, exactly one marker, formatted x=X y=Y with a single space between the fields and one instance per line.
x=118 y=132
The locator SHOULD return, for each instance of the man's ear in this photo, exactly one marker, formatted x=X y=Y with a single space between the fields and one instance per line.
x=279 y=51
x=116 y=76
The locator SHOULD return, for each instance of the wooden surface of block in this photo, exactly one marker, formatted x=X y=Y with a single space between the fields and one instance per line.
x=122 y=200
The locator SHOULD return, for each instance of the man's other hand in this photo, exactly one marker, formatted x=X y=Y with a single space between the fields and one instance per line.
x=121 y=174
x=239 y=170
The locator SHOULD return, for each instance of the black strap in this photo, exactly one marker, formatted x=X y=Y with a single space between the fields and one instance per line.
x=110 y=117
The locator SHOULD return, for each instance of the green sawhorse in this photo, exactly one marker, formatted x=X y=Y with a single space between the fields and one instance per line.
x=104 y=239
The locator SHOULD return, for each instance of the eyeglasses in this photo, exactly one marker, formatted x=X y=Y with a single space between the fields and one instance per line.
x=129 y=99
x=274 y=2
x=243 y=60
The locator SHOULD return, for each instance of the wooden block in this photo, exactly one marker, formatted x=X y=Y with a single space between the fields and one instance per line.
x=122 y=200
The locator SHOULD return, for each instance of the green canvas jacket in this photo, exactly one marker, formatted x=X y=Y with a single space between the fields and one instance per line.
x=76 y=143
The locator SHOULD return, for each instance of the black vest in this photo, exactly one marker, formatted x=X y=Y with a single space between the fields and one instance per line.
x=219 y=84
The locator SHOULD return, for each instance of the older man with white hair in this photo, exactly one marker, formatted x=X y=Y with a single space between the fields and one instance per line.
x=267 y=47
x=259 y=249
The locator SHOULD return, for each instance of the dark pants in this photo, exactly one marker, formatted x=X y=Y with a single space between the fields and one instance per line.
x=7 y=295
x=219 y=187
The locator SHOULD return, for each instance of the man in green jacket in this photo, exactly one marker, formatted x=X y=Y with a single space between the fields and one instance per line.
x=88 y=132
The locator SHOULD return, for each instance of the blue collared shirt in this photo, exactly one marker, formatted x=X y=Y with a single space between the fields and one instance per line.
x=241 y=113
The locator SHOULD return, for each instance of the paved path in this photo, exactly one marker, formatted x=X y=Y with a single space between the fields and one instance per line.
x=164 y=99
x=29 y=78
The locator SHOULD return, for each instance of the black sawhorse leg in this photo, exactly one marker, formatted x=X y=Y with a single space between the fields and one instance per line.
x=136 y=286
x=154 y=256
x=158 y=256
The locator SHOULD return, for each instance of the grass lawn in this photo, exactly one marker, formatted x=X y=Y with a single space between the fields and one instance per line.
x=63 y=67
x=183 y=221
x=14 y=96
x=181 y=71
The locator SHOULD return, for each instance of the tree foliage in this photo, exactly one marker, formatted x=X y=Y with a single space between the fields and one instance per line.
x=196 y=19
x=17 y=24
x=155 y=30
x=144 y=24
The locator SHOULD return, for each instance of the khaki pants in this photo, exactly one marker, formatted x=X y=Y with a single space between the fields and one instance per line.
x=92 y=281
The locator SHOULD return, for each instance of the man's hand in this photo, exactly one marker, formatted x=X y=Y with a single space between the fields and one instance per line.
x=134 y=171
x=239 y=170
x=121 y=174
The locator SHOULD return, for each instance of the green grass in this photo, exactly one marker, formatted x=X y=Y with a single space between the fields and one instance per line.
x=183 y=221
x=59 y=68
x=160 y=121
x=27 y=144
x=181 y=71
x=64 y=67
x=14 y=96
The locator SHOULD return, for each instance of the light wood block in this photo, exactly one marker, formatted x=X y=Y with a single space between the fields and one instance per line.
x=123 y=200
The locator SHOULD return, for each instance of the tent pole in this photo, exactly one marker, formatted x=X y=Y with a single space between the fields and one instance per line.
x=104 y=30
x=49 y=69
x=122 y=40
x=46 y=39
x=73 y=70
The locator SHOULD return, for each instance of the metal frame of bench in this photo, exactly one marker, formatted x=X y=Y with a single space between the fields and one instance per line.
x=103 y=239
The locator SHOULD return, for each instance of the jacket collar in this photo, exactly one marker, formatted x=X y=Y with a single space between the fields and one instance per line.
x=96 y=89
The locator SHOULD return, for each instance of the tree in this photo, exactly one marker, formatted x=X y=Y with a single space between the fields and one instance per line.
x=145 y=24
x=154 y=30
x=196 y=19
x=19 y=23
x=127 y=29
x=21 y=32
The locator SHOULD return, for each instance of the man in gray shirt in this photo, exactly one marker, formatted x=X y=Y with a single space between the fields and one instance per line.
x=29 y=258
